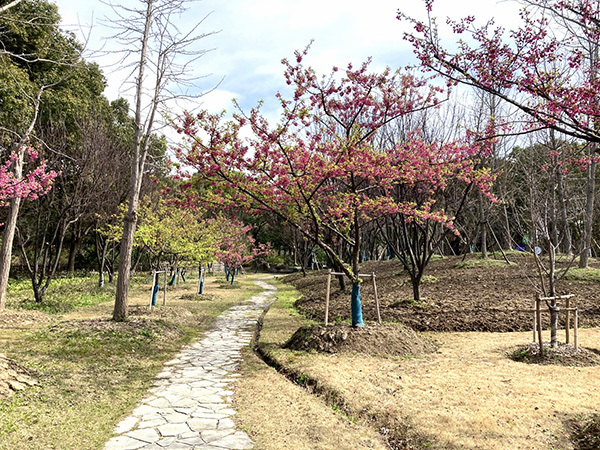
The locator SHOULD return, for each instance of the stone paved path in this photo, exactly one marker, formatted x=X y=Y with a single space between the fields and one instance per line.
x=189 y=406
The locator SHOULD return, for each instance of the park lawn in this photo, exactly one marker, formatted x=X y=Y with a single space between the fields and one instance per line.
x=277 y=413
x=92 y=371
x=467 y=395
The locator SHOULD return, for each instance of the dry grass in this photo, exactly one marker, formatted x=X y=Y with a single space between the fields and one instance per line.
x=467 y=395
x=92 y=372
x=279 y=414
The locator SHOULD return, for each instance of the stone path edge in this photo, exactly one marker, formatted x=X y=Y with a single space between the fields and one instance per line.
x=189 y=405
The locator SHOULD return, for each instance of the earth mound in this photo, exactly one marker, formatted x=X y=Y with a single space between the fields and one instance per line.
x=388 y=340
x=564 y=355
x=13 y=377
x=22 y=318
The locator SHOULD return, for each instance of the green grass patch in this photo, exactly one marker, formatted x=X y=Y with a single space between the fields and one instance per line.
x=428 y=279
x=587 y=274
x=482 y=263
x=283 y=319
x=66 y=294
x=92 y=371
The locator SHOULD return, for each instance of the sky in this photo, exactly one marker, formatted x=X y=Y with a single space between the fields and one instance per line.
x=252 y=36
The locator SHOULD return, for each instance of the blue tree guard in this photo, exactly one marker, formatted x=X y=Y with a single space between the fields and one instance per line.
x=356 y=307
x=155 y=292
x=172 y=282
x=201 y=282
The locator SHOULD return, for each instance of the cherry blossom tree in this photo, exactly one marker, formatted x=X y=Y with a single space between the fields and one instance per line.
x=319 y=169
x=547 y=67
x=237 y=247
x=15 y=185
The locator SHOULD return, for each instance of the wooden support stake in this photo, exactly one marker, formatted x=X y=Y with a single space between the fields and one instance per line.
x=567 y=320
x=327 y=296
x=538 y=312
x=165 y=289
x=576 y=329
x=534 y=310
x=376 y=298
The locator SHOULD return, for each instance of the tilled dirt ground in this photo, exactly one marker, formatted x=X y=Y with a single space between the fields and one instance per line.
x=488 y=298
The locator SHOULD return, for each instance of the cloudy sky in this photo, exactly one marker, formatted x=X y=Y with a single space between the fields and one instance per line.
x=253 y=36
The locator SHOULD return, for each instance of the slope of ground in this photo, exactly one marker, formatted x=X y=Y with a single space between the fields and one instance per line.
x=469 y=394
x=478 y=297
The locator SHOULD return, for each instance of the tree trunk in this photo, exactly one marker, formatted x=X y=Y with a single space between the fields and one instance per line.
x=123 y=275
x=552 y=293
x=508 y=244
x=483 y=228
x=416 y=285
x=356 y=307
x=6 y=249
x=586 y=239
x=38 y=293
x=567 y=242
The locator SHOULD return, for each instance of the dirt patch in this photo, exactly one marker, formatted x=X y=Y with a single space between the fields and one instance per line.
x=22 y=319
x=109 y=329
x=391 y=340
x=487 y=297
x=198 y=297
x=563 y=355
x=13 y=377
x=159 y=312
x=585 y=431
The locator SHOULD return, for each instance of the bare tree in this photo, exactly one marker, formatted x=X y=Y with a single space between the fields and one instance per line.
x=160 y=55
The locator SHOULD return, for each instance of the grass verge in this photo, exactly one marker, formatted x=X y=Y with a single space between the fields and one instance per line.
x=92 y=371
x=467 y=395
x=279 y=414
x=281 y=321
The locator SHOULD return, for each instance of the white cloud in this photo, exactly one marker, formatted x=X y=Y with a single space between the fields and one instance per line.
x=255 y=35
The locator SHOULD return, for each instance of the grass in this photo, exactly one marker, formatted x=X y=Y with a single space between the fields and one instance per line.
x=280 y=414
x=588 y=274
x=92 y=371
x=66 y=294
x=467 y=395
x=472 y=263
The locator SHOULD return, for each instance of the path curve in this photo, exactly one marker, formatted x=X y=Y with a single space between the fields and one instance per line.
x=189 y=406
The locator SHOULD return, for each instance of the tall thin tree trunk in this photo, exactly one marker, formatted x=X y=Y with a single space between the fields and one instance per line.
x=567 y=242
x=7 y=244
x=142 y=142
x=123 y=275
x=507 y=237
x=483 y=227
x=586 y=239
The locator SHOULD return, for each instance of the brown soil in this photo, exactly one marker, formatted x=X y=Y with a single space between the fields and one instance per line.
x=13 y=377
x=22 y=319
x=453 y=299
x=392 y=340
